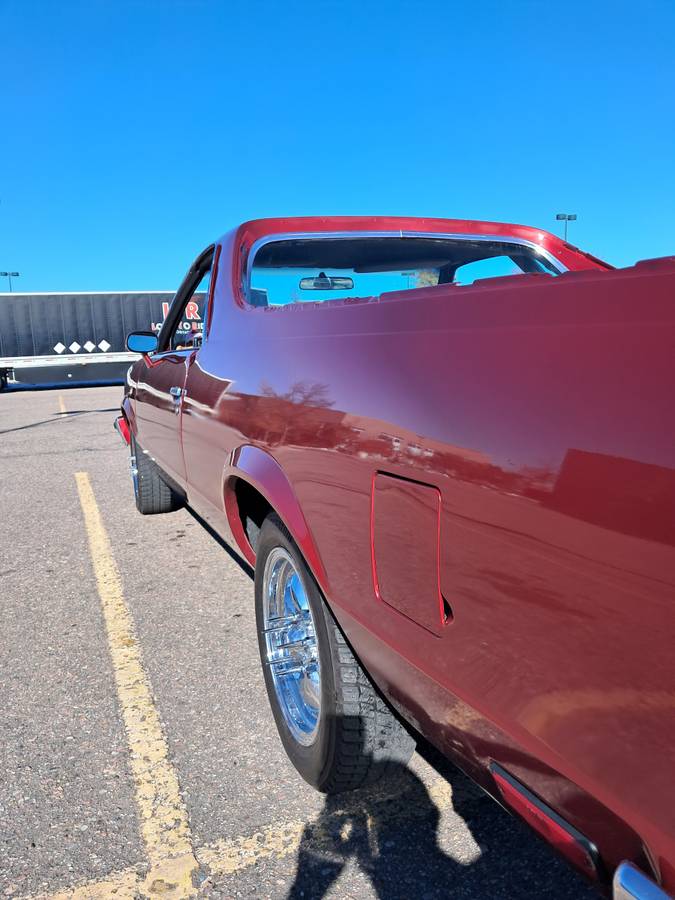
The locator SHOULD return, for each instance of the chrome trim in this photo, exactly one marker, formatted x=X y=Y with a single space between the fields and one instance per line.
x=133 y=467
x=629 y=883
x=441 y=235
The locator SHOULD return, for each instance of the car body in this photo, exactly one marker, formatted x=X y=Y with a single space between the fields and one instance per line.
x=480 y=477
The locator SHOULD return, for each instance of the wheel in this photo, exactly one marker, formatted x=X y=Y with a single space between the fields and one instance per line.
x=153 y=494
x=336 y=729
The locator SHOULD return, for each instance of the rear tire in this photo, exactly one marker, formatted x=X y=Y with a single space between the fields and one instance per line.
x=153 y=493
x=346 y=736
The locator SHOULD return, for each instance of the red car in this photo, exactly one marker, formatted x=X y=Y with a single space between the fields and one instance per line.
x=448 y=449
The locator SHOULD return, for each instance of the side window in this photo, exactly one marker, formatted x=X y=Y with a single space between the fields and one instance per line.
x=498 y=266
x=183 y=326
x=189 y=329
x=495 y=267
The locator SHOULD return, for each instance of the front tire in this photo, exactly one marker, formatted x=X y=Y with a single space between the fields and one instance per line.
x=153 y=494
x=336 y=729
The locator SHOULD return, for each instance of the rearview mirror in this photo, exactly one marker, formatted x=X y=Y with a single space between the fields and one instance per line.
x=142 y=342
x=326 y=283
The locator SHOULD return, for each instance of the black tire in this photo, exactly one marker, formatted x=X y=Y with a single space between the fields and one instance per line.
x=358 y=738
x=153 y=494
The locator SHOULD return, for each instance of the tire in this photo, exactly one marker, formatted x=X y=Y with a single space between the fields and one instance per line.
x=352 y=738
x=153 y=493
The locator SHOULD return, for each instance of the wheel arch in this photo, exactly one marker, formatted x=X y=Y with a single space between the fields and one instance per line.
x=253 y=479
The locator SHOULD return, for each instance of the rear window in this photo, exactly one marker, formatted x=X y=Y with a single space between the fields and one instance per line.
x=311 y=270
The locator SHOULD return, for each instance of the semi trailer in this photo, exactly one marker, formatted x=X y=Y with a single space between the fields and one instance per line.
x=64 y=338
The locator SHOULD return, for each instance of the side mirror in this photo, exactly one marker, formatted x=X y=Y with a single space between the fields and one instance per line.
x=142 y=342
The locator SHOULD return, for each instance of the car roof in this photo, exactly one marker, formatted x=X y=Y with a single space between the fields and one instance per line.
x=256 y=229
x=313 y=224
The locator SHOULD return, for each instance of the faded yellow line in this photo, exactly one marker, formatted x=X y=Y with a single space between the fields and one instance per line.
x=325 y=833
x=164 y=822
x=322 y=833
x=163 y=816
x=62 y=405
x=123 y=885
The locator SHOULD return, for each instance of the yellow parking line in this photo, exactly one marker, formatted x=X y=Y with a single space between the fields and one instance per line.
x=384 y=804
x=120 y=885
x=322 y=833
x=62 y=405
x=164 y=821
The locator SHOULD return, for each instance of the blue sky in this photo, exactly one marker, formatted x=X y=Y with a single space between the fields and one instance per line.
x=133 y=133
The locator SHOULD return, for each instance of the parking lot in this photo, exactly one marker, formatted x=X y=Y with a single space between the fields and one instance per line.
x=139 y=757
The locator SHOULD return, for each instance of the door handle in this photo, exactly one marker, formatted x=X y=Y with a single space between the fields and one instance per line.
x=176 y=393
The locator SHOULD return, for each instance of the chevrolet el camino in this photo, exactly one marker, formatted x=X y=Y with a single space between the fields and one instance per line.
x=447 y=448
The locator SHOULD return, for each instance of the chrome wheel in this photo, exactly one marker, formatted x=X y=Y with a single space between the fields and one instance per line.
x=290 y=644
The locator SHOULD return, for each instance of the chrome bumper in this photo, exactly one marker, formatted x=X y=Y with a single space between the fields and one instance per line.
x=630 y=883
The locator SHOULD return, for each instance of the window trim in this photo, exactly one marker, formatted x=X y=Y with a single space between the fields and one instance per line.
x=350 y=235
x=199 y=268
x=208 y=315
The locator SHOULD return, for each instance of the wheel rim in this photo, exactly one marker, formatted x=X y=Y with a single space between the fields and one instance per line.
x=290 y=643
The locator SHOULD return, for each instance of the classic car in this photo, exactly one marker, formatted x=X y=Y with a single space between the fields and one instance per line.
x=447 y=448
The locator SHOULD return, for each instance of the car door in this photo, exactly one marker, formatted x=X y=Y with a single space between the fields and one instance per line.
x=161 y=384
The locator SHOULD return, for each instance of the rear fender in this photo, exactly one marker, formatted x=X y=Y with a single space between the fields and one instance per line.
x=264 y=473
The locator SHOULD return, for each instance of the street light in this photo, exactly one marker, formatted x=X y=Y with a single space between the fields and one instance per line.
x=566 y=217
x=10 y=275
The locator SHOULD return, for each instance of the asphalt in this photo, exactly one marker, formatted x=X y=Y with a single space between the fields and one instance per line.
x=69 y=807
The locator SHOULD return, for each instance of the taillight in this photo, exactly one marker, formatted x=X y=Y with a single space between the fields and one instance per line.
x=546 y=822
x=122 y=428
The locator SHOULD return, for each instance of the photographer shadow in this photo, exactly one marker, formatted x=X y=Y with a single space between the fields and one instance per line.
x=389 y=834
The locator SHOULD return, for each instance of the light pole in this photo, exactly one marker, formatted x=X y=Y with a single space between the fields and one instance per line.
x=566 y=217
x=10 y=275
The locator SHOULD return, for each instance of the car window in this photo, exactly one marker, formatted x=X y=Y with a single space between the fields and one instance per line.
x=495 y=267
x=188 y=333
x=278 y=287
x=331 y=269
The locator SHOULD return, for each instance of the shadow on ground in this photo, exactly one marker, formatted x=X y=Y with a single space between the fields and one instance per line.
x=390 y=834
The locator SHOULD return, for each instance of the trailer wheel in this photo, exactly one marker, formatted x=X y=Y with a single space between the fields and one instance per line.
x=153 y=494
x=336 y=729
